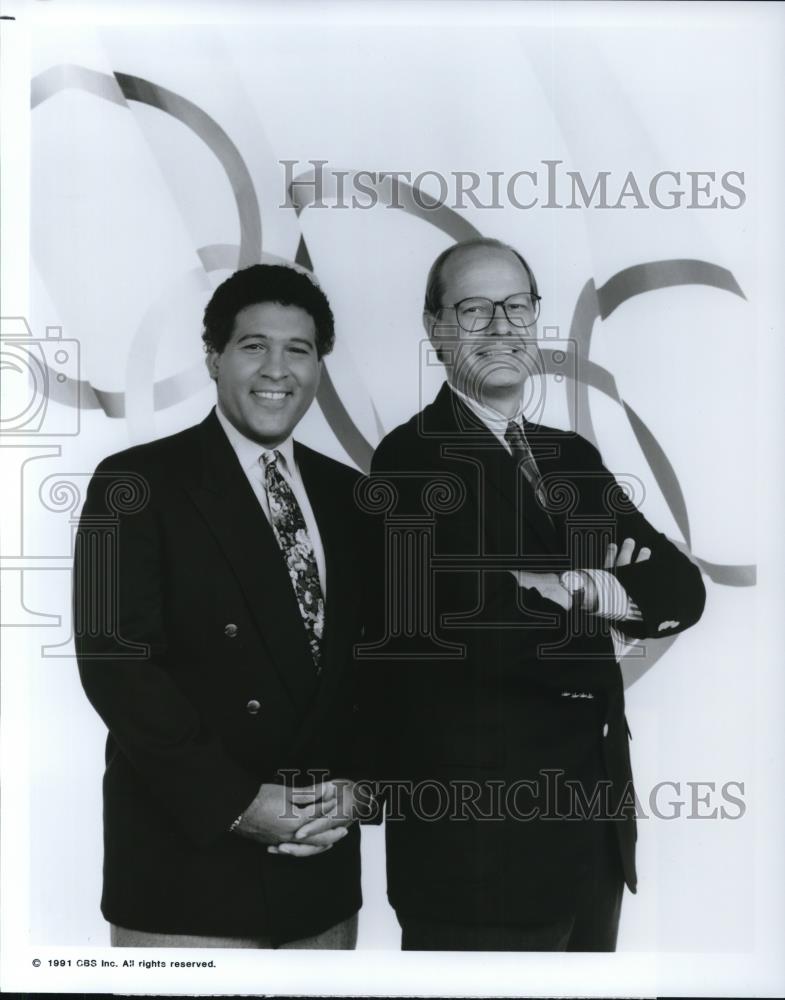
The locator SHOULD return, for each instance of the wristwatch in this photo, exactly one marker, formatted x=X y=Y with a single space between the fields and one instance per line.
x=574 y=583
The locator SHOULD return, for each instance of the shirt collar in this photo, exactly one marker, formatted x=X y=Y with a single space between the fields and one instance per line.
x=495 y=422
x=249 y=452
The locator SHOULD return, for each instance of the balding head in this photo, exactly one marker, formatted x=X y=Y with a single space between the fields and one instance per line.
x=479 y=249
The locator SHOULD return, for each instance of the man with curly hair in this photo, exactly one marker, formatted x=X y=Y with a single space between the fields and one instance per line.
x=216 y=644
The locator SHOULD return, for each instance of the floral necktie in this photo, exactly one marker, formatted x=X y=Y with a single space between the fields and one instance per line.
x=295 y=543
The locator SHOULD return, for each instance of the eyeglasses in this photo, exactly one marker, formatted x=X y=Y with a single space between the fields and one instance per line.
x=476 y=313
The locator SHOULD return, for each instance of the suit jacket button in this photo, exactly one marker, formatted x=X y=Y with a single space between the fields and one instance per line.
x=605 y=729
x=253 y=706
x=230 y=630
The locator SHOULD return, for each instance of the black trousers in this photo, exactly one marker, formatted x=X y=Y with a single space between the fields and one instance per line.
x=591 y=925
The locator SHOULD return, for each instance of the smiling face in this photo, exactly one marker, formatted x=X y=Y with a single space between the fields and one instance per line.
x=492 y=365
x=268 y=373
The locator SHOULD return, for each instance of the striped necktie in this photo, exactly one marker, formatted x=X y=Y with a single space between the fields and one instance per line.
x=523 y=455
x=291 y=533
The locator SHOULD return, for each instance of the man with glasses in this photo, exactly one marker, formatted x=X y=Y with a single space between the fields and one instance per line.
x=496 y=679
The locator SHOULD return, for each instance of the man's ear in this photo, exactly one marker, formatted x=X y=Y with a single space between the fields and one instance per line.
x=213 y=362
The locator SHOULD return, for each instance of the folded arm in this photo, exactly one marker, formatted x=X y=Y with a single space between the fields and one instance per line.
x=646 y=586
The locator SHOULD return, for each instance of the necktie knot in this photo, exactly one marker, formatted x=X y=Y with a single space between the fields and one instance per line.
x=522 y=453
x=524 y=456
x=514 y=437
x=269 y=458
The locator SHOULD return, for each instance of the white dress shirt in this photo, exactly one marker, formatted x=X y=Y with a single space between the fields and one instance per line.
x=250 y=455
x=613 y=602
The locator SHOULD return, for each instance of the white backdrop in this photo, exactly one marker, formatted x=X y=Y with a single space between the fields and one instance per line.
x=126 y=202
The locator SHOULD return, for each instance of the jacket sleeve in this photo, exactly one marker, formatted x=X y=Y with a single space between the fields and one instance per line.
x=122 y=650
x=668 y=587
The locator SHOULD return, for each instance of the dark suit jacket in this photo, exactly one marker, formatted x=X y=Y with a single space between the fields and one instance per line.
x=191 y=648
x=521 y=692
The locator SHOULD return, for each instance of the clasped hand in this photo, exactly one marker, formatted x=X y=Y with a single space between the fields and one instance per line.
x=300 y=821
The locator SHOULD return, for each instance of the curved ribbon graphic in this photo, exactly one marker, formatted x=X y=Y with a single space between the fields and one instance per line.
x=438 y=214
x=592 y=303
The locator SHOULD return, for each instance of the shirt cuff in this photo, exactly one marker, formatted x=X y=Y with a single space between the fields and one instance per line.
x=613 y=601
x=621 y=644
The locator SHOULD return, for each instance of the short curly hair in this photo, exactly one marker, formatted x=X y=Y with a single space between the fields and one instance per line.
x=266 y=283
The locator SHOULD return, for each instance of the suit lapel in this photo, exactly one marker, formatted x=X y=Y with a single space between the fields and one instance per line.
x=222 y=493
x=506 y=483
x=331 y=519
x=329 y=503
x=334 y=521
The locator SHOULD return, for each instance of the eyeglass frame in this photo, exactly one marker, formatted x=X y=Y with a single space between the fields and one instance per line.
x=537 y=299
